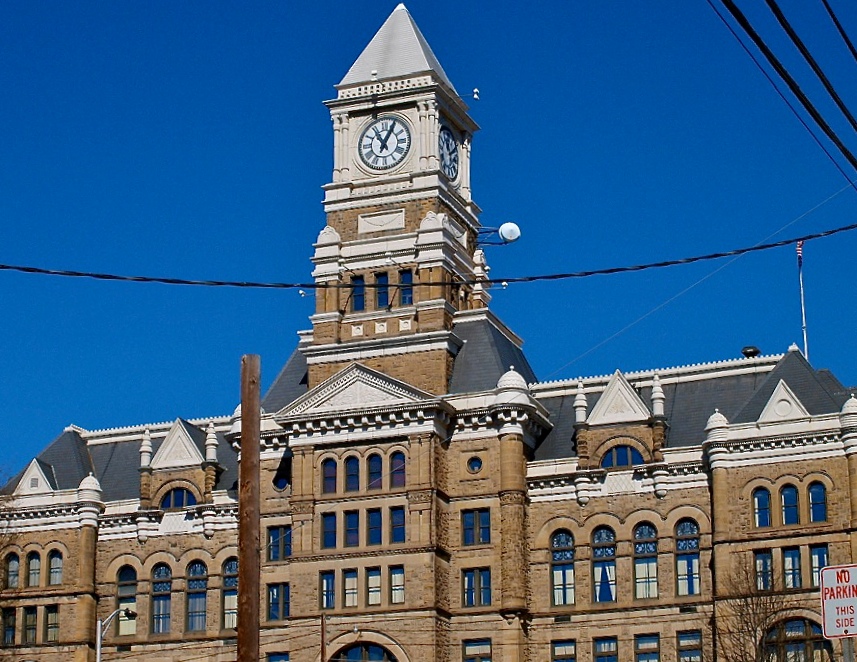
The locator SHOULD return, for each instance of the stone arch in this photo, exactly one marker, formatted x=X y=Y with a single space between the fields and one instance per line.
x=368 y=637
x=177 y=483
x=621 y=440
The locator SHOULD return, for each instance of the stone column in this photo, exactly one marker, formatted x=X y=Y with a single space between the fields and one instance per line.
x=848 y=423
x=513 y=487
x=717 y=432
x=90 y=506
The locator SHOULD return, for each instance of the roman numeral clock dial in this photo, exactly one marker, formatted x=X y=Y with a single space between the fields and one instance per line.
x=448 y=148
x=384 y=143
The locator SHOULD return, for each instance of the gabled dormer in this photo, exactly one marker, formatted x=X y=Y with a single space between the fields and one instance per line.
x=38 y=478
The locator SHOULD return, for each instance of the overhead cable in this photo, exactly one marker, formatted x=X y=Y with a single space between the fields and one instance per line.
x=488 y=281
x=840 y=29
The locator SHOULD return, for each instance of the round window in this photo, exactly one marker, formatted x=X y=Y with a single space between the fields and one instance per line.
x=474 y=464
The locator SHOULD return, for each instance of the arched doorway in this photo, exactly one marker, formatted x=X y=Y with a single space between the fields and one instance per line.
x=364 y=653
x=797 y=640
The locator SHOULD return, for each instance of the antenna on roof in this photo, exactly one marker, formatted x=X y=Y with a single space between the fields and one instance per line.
x=507 y=233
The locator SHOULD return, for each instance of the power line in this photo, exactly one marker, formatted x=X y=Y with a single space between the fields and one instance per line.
x=840 y=29
x=488 y=281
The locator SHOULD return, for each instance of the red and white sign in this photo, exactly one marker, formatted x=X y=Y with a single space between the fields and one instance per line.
x=839 y=601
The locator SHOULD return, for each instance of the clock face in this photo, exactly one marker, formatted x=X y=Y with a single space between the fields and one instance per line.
x=384 y=143
x=448 y=153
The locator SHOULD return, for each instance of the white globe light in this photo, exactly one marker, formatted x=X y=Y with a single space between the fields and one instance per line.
x=509 y=232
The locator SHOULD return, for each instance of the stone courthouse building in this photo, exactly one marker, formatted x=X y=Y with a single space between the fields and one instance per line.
x=424 y=497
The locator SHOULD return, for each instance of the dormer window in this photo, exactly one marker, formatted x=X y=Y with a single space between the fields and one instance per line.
x=177 y=498
x=620 y=457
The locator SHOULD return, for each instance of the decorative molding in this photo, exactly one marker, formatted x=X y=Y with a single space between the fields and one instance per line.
x=783 y=405
x=34 y=481
x=178 y=450
x=618 y=404
x=381 y=221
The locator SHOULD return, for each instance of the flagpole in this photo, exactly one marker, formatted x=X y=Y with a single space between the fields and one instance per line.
x=799 y=247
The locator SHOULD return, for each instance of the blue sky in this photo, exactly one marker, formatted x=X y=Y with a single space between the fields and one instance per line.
x=189 y=139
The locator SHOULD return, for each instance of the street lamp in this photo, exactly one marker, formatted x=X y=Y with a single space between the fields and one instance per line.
x=102 y=626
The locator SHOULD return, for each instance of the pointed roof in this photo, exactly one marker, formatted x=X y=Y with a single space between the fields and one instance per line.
x=397 y=50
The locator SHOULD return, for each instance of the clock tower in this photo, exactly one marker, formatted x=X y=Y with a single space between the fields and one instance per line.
x=397 y=260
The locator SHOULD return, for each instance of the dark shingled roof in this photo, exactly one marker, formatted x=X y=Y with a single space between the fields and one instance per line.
x=290 y=384
x=487 y=354
x=688 y=405
x=65 y=461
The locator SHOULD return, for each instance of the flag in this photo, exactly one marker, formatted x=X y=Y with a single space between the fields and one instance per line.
x=799 y=247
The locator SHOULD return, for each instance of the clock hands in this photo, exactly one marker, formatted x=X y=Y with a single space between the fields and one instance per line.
x=389 y=133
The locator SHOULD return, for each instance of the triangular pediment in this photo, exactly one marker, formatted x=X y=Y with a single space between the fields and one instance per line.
x=355 y=387
x=618 y=404
x=783 y=405
x=178 y=449
x=35 y=480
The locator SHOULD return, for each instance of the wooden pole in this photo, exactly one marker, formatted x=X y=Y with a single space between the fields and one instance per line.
x=248 y=512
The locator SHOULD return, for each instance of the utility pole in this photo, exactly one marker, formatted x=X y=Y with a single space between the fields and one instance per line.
x=248 y=511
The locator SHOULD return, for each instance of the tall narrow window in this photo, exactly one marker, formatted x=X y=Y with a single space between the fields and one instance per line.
x=791 y=567
x=352 y=474
x=55 y=567
x=349 y=588
x=397 y=584
x=817 y=502
x=763 y=562
x=406 y=287
x=52 y=623
x=376 y=471
x=34 y=569
x=762 y=507
x=126 y=594
x=9 y=626
x=197 y=590
x=352 y=528
x=604 y=564
x=397 y=524
x=564 y=651
x=817 y=560
x=789 y=500
x=328 y=476
x=327 y=589
x=279 y=601
x=606 y=649
x=373 y=526
x=13 y=569
x=382 y=291
x=328 y=530
x=162 y=585
x=562 y=567
x=689 y=646
x=30 y=625
x=373 y=586
x=230 y=593
x=647 y=648
x=397 y=469
x=645 y=561
x=279 y=542
x=476 y=526
x=358 y=293
x=476 y=587
x=687 y=557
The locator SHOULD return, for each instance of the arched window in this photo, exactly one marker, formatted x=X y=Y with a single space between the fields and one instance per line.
x=364 y=653
x=620 y=457
x=177 y=498
x=761 y=507
x=13 y=569
x=645 y=561
x=397 y=469
x=604 y=564
x=162 y=585
x=126 y=593
x=197 y=588
x=817 y=502
x=797 y=639
x=789 y=501
x=230 y=593
x=376 y=471
x=283 y=475
x=687 y=557
x=328 y=476
x=34 y=569
x=55 y=567
x=352 y=474
x=562 y=567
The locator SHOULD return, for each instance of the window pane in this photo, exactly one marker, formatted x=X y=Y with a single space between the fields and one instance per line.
x=328 y=472
x=352 y=474
x=349 y=582
x=817 y=503
x=762 y=507
x=376 y=472
x=790 y=504
x=397 y=469
x=397 y=585
x=373 y=531
x=397 y=524
x=373 y=586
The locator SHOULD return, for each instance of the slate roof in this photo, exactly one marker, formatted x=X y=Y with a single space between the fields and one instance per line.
x=65 y=462
x=487 y=353
x=397 y=50
x=740 y=397
x=289 y=385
